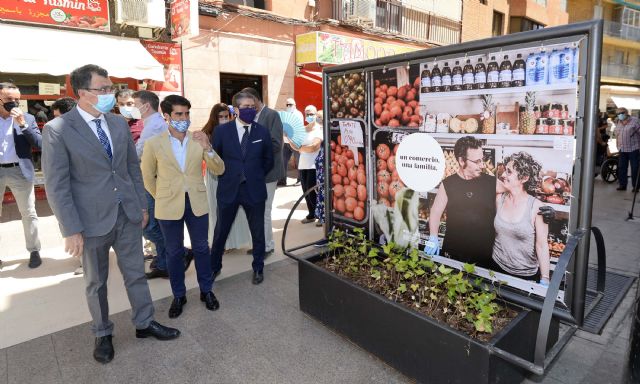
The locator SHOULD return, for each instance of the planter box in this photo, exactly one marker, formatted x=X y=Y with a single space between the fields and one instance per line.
x=412 y=343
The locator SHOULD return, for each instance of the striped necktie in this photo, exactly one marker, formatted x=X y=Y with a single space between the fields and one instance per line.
x=245 y=140
x=104 y=140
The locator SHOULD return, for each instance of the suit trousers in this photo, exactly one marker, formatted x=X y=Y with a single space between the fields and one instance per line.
x=226 y=216
x=153 y=233
x=22 y=190
x=124 y=237
x=269 y=244
x=173 y=231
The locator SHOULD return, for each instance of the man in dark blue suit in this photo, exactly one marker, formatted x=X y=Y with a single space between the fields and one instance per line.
x=245 y=148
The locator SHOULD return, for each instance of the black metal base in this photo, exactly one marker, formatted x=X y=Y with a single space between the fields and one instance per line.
x=412 y=343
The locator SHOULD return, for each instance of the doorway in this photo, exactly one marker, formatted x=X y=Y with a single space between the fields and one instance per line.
x=231 y=83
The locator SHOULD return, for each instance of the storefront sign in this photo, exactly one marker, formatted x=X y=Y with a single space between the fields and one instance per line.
x=184 y=19
x=170 y=56
x=88 y=14
x=329 y=48
x=48 y=89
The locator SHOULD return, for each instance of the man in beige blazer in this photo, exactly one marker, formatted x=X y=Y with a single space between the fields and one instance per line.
x=172 y=173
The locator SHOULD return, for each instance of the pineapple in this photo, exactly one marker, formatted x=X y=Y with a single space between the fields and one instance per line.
x=527 y=118
x=488 y=115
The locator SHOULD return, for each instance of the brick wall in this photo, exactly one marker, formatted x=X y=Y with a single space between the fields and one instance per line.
x=477 y=18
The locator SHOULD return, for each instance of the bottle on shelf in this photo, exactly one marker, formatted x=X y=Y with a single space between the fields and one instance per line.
x=542 y=68
x=480 y=76
x=446 y=77
x=530 y=71
x=456 y=77
x=518 y=74
x=467 y=76
x=493 y=73
x=555 y=67
x=436 y=79
x=425 y=80
x=506 y=72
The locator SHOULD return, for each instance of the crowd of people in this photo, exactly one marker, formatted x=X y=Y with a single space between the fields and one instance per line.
x=122 y=165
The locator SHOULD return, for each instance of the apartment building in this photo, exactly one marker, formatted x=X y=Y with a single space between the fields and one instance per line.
x=488 y=18
x=280 y=46
x=620 y=72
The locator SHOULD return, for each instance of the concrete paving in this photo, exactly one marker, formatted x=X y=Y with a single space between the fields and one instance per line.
x=259 y=333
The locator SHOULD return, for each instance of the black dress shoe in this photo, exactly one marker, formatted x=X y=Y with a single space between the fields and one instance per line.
x=158 y=331
x=188 y=258
x=155 y=273
x=176 y=307
x=34 y=259
x=258 y=277
x=103 y=350
x=210 y=300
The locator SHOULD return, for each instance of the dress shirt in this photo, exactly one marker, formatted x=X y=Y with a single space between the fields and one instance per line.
x=7 y=145
x=240 y=128
x=179 y=150
x=88 y=118
x=153 y=125
x=628 y=134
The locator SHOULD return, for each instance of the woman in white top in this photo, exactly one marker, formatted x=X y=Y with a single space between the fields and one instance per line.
x=240 y=236
x=306 y=164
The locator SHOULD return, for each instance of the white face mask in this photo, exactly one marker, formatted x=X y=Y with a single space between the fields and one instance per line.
x=135 y=113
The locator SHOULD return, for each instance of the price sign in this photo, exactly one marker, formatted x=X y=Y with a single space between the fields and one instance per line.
x=351 y=133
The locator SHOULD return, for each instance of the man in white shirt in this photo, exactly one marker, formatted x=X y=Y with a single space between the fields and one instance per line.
x=19 y=133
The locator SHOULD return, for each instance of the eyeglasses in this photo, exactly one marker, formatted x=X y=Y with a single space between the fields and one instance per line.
x=103 y=90
x=477 y=162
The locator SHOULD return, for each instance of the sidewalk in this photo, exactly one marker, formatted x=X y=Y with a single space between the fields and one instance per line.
x=259 y=333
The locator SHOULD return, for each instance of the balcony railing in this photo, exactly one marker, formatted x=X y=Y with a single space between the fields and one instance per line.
x=629 y=72
x=390 y=16
x=623 y=31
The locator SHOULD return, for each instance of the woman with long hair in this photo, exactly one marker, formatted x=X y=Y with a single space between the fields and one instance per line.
x=240 y=236
x=520 y=247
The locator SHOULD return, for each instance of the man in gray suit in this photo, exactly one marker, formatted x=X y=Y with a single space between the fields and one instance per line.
x=270 y=119
x=94 y=187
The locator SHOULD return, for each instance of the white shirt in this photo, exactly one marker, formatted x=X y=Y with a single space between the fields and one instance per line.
x=153 y=125
x=8 y=153
x=88 y=118
x=179 y=150
x=240 y=129
x=308 y=159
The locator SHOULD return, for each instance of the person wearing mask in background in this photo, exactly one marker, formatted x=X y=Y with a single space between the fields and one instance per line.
x=309 y=150
x=62 y=106
x=628 y=142
x=94 y=187
x=286 y=149
x=19 y=134
x=239 y=236
x=172 y=173
x=125 y=103
x=245 y=147
x=270 y=119
x=145 y=107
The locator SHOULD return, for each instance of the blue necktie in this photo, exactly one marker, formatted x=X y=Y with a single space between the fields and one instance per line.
x=104 y=140
x=244 y=141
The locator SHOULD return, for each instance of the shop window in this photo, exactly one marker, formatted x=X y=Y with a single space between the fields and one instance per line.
x=231 y=83
x=498 y=24
x=521 y=24
x=260 y=4
x=483 y=2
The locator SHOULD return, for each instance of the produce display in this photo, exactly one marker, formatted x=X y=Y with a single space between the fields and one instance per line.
x=396 y=98
x=388 y=181
x=348 y=180
x=347 y=96
x=554 y=190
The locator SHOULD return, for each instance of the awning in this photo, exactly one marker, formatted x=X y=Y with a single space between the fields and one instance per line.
x=629 y=102
x=55 y=52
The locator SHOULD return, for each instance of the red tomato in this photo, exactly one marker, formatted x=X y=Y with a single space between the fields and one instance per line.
x=351 y=163
x=392 y=90
x=360 y=158
x=352 y=173
x=382 y=151
x=358 y=213
x=361 y=178
x=336 y=179
x=342 y=170
x=381 y=165
x=338 y=190
x=350 y=204
x=339 y=205
x=394 y=175
x=383 y=189
x=350 y=191
x=346 y=181
x=383 y=176
x=391 y=164
x=394 y=187
x=338 y=150
x=384 y=201
x=361 y=191
x=361 y=204
x=394 y=123
x=348 y=215
x=349 y=153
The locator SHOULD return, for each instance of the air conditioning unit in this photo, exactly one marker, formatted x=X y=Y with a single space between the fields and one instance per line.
x=360 y=11
x=141 y=13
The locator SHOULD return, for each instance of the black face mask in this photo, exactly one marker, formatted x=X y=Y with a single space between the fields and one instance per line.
x=8 y=106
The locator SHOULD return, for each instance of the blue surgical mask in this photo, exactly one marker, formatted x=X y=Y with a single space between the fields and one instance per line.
x=181 y=126
x=622 y=116
x=105 y=102
x=310 y=119
x=247 y=114
x=126 y=112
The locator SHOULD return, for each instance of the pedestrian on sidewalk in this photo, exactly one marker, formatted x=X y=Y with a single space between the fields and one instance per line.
x=245 y=146
x=270 y=119
x=287 y=152
x=125 y=104
x=239 y=235
x=19 y=134
x=145 y=105
x=309 y=150
x=628 y=142
x=94 y=187
x=172 y=173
